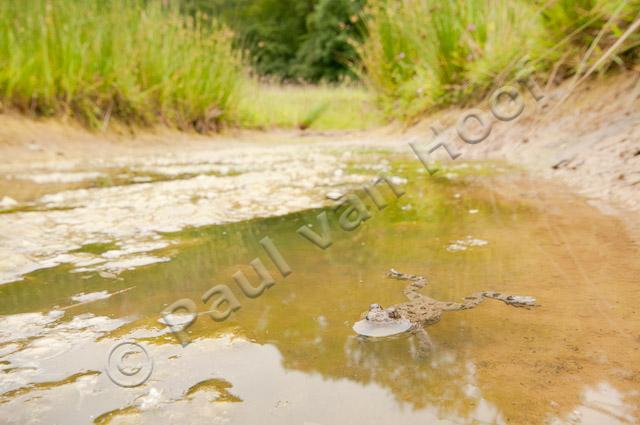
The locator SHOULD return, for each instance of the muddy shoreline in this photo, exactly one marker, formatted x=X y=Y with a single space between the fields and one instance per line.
x=589 y=142
x=587 y=137
x=61 y=174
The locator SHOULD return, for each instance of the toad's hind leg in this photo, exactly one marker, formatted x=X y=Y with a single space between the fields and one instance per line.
x=512 y=300
x=476 y=299
x=471 y=301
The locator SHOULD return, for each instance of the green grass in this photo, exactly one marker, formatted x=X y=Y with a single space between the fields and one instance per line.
x=321 y=107
x=423 y=54
x=138 y=62
x=97 y=248
x=579 y=31
x=143 y=63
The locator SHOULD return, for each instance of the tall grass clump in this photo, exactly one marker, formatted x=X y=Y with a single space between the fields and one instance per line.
x=425 y=54
x=139 y=62
x=421 y=54
x=578 y=32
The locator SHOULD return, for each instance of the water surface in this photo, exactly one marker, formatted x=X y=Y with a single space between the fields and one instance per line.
x=290 y=356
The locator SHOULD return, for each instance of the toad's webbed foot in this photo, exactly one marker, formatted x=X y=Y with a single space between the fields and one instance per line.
x=523 y=301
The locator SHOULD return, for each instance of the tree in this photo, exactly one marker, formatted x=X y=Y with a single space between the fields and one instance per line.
x=292 y=40
x=328 y=52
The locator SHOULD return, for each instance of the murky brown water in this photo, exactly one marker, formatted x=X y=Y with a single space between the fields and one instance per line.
x=290 y=356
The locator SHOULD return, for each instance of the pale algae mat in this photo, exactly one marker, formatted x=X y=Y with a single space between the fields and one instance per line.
x=98 y=251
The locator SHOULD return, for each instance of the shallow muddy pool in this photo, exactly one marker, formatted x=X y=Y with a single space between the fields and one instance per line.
x=290 y=356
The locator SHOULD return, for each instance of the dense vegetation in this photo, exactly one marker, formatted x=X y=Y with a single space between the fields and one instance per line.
x=293 y=40
x=125 y=59
x=193 y=63
x=424 y=54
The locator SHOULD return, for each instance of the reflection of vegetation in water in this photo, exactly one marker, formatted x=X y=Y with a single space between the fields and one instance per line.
x=125 y=176
x=45 y=385
x=28 y=208
x=97 y=248
x=492 y=353
x=219 y=386
x=107 y=417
